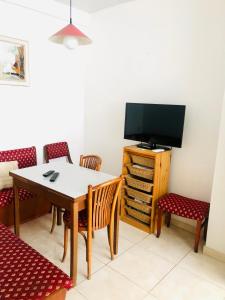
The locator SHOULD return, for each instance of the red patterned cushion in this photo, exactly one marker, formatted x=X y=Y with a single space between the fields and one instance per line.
x=82 y=222
x=184 y=207
x=24 y=273
x=26 y=157
x=57 y=150
x=7 y=195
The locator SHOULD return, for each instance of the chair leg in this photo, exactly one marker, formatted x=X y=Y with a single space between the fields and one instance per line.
x=66 y=231
x=108 y=226
x=205 y=228
x=85 y=239
x=159 y=222
x=53 y=218
x=89 y=250
x=59 y=216
x=168 y=219
x=93 y=234
x=111 y=241
x=197 y=235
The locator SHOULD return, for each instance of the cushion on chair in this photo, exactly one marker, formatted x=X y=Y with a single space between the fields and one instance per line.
x=6 y=181
x=57 y=150
x=82 y=222
x=7 y=195
x=184 y=207
x=26 y=157
x=24 y=273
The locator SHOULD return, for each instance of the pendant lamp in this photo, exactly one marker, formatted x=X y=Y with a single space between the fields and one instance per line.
x=70 y=36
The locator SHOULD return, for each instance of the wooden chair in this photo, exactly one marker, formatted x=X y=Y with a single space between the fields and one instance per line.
x=89 y=161
x=53 y=151
x=100 y=211
x=187 y=208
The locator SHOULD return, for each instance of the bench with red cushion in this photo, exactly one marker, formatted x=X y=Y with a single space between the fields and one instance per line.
x=184 y=207
x=26 y=157
x=25 y=274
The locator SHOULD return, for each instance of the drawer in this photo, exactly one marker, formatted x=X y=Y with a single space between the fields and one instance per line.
x=138 y=215
x=139 y=206
x=146 y=173
x=143 y=161
x=138 y=195
x=139 y=184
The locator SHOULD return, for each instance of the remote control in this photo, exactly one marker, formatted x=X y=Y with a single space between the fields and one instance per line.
x=48 y=173
x=54 y=177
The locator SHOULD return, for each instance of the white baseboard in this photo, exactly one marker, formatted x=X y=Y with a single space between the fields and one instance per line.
x=183 y=225
x=213 y=253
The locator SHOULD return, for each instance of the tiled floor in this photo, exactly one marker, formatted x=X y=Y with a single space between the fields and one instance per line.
x=146 y=268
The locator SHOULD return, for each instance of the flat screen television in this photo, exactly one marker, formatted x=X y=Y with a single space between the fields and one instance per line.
x=154 y=124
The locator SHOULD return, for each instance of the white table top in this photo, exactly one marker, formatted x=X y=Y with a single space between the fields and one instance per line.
x=72 y=181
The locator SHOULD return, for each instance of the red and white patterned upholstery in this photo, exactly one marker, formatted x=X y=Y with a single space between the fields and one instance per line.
x=57 y=150
x=184 y=207
x=7 y=195
x=24 y=273
x=26 y=157
x=82 y=221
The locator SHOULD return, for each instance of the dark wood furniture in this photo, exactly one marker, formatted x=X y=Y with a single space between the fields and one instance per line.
x=31 y=206
x=146 y=176
x=53 y=151
x=26 y=274
x=187 y=208
x=100 y=213
x=69 y=192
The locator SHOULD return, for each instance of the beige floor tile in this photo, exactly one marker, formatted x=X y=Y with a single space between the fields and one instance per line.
x=173 y=244
x=101 y=246
x=150 y=297
x=142 y=267
x=180 y=284
x=110 y=285
x=54 y=255
x=206 y=267
x=131 y=233
x=73 y=294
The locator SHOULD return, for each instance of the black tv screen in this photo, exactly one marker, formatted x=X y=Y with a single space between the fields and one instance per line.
x=155 y=123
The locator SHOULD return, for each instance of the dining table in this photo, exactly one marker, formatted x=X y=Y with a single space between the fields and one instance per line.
x=69 y=191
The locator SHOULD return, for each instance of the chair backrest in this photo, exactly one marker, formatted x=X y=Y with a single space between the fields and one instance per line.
x=91 y=162
x=102 y=201
x=26 y=157
x=57 y=150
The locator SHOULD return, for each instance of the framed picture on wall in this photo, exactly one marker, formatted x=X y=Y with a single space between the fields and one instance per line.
x=14 y=63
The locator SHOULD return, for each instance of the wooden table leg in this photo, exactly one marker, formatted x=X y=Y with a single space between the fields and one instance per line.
x=16 y=210
x=116 y=226
x=74 y=242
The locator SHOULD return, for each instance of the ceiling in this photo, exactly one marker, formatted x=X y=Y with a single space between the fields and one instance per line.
x=93 y=5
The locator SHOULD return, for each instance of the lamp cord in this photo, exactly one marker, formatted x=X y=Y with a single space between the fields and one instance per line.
x=70 y=11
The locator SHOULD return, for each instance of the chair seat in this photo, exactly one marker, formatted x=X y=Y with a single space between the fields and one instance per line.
x=82 y=222
x=184 y=207
x=24 y=273
x=7 y=195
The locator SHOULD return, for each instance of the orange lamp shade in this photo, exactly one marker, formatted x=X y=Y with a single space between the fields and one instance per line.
x=70 y=31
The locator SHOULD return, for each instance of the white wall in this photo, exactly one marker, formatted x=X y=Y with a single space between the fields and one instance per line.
x=164 y=51
x=215 y=236
x=52 y=108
